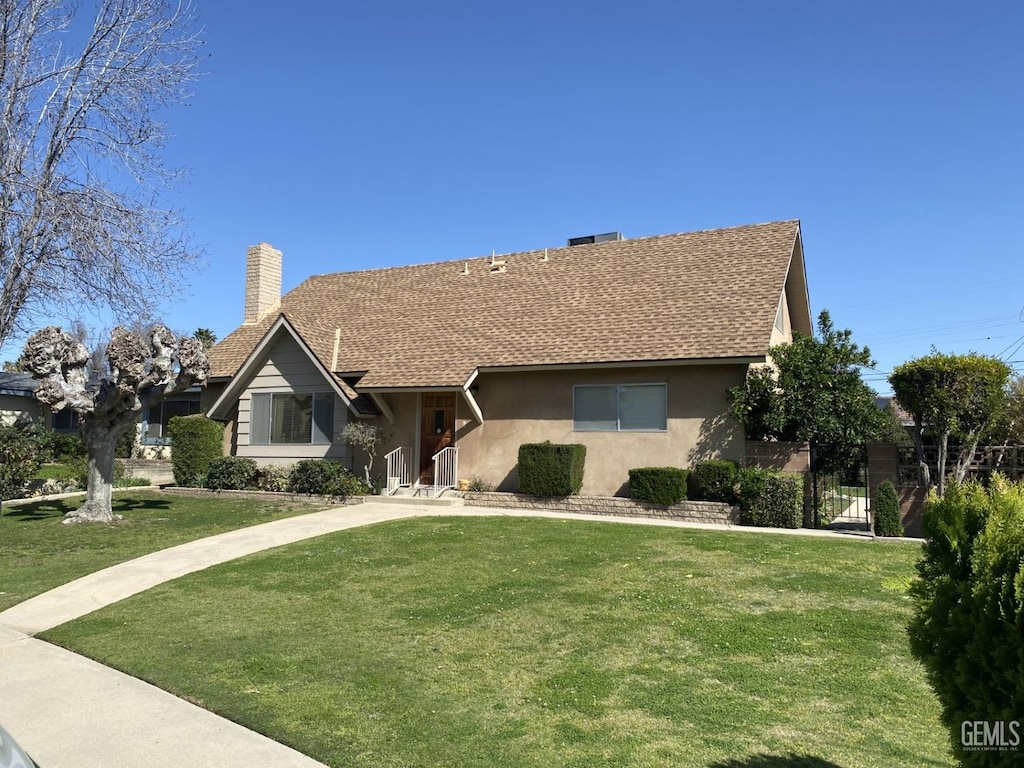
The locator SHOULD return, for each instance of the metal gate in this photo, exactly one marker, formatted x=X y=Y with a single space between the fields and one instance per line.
x=840 y=485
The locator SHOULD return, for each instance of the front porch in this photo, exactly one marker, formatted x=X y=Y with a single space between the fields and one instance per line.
x=431 y=484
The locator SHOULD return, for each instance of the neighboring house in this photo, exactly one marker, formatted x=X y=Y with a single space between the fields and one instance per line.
x=626 y=346
x=18 y=404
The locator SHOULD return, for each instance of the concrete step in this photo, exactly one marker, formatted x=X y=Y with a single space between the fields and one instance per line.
x=429 y=501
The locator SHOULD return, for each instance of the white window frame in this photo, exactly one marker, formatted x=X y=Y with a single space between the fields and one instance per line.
x=270 y=415
x=618 y=401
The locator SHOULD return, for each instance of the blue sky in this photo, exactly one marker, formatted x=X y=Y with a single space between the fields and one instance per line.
x=354 y=136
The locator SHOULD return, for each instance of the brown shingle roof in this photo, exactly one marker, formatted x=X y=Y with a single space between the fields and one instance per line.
x=697 y=295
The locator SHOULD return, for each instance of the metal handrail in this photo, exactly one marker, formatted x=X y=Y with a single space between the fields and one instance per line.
x=446 y=469
x=397 y=469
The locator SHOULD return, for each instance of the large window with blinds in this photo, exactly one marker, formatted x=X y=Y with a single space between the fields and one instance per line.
x=289 y=418
x=620 y=408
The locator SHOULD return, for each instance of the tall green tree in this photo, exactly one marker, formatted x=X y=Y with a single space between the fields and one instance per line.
x=813 y=393
x=956 y=396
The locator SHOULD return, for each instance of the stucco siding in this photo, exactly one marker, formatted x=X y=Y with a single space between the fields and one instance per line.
x=532 y=407
x=14 y=410
x=287 y=369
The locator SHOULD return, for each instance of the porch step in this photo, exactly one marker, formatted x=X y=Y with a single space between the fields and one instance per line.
x=409 y=498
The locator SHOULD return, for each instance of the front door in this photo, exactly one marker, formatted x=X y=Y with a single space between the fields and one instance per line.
x=437 y=428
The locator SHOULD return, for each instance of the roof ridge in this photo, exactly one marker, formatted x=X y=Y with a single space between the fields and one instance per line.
x=549 y=250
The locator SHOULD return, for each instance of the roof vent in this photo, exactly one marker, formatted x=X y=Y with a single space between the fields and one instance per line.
x=588 y=239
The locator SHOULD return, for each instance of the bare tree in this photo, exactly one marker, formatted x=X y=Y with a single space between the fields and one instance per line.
x=142 y=371
x=80 y=166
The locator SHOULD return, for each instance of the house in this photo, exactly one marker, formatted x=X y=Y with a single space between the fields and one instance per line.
x=625 y=345
x=18 y=404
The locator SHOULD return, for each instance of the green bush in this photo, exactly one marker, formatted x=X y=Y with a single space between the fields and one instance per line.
x=323 y=477
x=658 y=485
x=551 y=469
x=887 y=511
x=968 y=623
x=60 y=447
x=19 y=461
x=713 y=481
x=271 y=478
x=769 y=499
x=195 y=442
x=231 y=473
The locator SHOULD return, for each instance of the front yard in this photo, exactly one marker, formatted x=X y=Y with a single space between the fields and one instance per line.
x=527 y=642
x=38 y=553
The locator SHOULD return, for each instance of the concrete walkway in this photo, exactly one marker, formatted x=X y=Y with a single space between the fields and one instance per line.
x=70 y=712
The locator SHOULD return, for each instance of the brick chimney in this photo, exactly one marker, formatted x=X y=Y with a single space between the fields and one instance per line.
x=262 y=282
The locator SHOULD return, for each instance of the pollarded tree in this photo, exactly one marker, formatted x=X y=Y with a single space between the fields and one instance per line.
x=82 y=100
x=955 y=396
x=142 y=369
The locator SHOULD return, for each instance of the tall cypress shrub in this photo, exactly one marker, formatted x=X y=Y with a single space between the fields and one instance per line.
x=195 y=442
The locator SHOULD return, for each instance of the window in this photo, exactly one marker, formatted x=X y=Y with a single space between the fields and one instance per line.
x=780 y=320
x=66 y=421
x=292 y=419
x=620 y=408
x=159 y=416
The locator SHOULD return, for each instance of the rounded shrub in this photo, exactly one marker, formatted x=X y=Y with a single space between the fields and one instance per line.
x=271 y=478
x=887 y=510
x=658 y=485
x=713 y=480
x=230 y=473
x=968 y=623
x=195 y=442
x=324 y=477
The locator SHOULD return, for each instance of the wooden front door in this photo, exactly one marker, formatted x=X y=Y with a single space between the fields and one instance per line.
x=437 y=428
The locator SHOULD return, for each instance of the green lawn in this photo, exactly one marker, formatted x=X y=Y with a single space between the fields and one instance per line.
x=38 y=553
x=528 y=642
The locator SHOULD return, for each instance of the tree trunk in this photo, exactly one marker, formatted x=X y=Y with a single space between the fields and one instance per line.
x=101 y=448
x=943 y=446
x=922 y=465
x=964 y=458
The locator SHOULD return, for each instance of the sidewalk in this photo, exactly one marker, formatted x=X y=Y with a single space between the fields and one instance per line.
x=70 y=712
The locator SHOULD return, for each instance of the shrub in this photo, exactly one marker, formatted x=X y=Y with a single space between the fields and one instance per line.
x=57 y=485
x=271 y=478
x=770 y=499
x=713 y=481
x=195 y=442
x=968 y=623
x=19 y=461
x=230 y=473
x=323 y=477
x=551 y=469
x=658 y=485
x=479 y=485
x=132 y=482
x=60 y=447
x=887 y=511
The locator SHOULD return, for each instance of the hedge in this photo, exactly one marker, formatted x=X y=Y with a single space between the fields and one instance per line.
x=887 y=511
x=196 y=441
x=713 y=480
x=658 y=485
x=324 y=477
x=769 y=499
x=231 y=473
x=551 y=469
